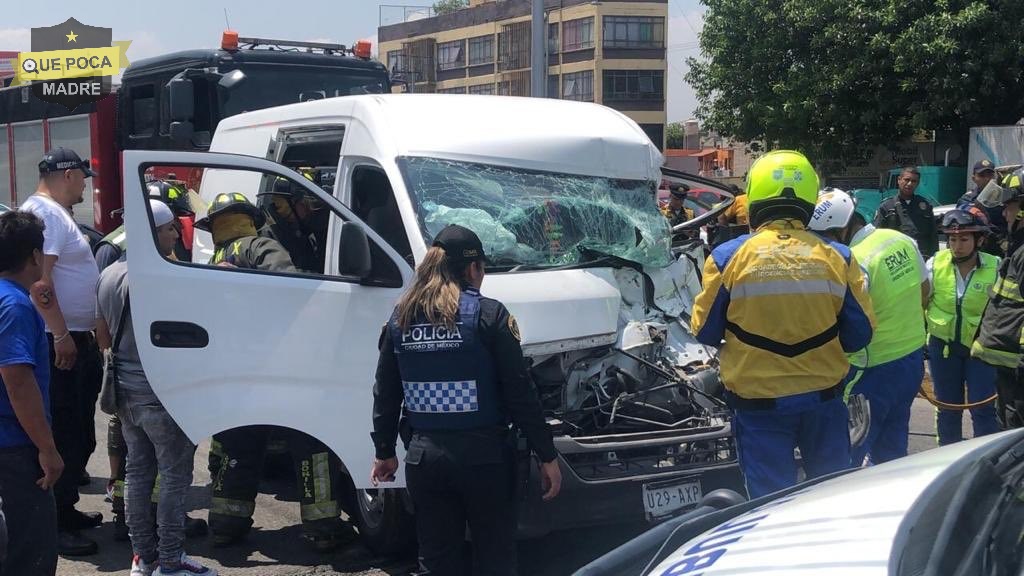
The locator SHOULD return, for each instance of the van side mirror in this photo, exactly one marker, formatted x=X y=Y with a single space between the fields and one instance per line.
x=181 y=100
x=354 y=257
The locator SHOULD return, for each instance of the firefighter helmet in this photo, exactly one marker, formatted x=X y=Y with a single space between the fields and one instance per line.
x=175 y=196
x=233 y=203
x=962 y=222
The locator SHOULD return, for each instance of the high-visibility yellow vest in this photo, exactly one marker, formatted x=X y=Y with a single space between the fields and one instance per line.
x=952 y=318
x=894 y=279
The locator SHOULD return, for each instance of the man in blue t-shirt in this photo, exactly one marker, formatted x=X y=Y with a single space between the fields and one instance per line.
x=29 y=461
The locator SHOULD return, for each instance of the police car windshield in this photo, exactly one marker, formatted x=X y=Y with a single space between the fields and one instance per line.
x=539 y=219
x=268 y=85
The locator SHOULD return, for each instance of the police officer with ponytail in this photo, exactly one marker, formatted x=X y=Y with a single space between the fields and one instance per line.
x=451 y=359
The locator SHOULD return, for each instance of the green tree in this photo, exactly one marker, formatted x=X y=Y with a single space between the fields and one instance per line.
x=674 y=135
x=834 y=78
x=449 y=6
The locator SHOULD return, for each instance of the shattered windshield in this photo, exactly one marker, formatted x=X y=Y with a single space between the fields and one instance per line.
x=539 y=219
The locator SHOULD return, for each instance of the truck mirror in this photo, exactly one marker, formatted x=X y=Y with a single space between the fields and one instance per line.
x=181 y=103
x=182 y=132
x=231 y=80
x=354 y=259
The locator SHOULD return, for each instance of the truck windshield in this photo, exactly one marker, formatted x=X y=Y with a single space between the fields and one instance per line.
x=268 y=85
x=539 y=219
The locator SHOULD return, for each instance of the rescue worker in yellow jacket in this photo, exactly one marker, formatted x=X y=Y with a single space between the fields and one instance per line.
x=789 y=306
x=888 y=372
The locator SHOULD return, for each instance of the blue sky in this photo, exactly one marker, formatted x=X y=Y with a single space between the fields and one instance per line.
x=155 y=28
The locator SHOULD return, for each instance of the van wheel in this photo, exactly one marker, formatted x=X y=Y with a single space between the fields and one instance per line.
x=385 y=525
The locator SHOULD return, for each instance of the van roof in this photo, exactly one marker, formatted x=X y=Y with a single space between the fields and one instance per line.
x=530 y=133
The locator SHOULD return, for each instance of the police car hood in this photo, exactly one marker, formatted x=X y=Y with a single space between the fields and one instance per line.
x=843 y=526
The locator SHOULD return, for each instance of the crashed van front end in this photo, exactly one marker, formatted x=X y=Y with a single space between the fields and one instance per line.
x=584 y=263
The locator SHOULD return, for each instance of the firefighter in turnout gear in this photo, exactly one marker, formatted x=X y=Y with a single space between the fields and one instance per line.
x=783 y=370
x=296 y=219
x=236 y=456
x=888 y=372
x=962 y=277
x=453 y=358
x=1002 y=324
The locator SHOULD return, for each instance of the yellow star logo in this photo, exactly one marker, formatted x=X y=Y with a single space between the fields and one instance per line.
x=72 y=37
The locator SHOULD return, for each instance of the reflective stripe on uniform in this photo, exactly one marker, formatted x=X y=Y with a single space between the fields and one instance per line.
x=786 y=287
x=1008 y=289
x=118 y=491
x=995 y=357
x=231 y=507
x=323 y=506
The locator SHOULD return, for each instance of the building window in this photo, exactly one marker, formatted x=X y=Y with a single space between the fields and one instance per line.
x=578 y=86
x=578 y=34
x=553 y=38
x=481 y=50
x=552 y=85
x=487 y=89
x=634 y=85
x=634 y=32
x=397 y=61
x=656 y=132
x=457 y=90
x=451 y=55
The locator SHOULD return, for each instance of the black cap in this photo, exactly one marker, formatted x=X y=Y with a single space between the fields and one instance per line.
x=679 y=190
x=460 y=243
x=984 y=166
x=61 y=159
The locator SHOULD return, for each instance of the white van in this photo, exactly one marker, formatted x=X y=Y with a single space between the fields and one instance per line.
x=562 y=195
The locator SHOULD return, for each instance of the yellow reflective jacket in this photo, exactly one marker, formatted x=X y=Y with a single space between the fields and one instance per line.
x=789 y=306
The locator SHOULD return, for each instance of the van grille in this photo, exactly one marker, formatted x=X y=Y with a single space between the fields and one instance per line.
x=659 y=459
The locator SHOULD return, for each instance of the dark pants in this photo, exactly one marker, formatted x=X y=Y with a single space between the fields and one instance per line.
x=236 y=463
x=117 y=448
x=890 y=389
x=766 y=439
x=954 y=372
x=30 y=513
x=73 y=395
x=457 y=480
x=1010 y=406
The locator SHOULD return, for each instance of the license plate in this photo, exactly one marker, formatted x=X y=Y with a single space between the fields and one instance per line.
x=663 y=499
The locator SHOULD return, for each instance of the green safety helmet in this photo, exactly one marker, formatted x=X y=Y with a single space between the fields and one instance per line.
x=233 y=203
x=174 y=196
x=782 y=182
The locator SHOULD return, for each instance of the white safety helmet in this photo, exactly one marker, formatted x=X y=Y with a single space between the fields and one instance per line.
x=833 y=211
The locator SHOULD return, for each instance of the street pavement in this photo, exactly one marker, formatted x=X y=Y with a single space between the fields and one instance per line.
x=275 y=548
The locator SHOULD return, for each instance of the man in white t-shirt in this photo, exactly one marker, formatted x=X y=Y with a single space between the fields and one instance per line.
x=66 y=298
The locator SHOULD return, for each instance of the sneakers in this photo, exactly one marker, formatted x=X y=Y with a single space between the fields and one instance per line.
x=186 y=567
x=142 y=568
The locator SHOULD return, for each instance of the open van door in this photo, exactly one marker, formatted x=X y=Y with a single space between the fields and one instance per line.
x=225 y=347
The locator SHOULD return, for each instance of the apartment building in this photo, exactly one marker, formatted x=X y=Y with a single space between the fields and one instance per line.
x=611 y=53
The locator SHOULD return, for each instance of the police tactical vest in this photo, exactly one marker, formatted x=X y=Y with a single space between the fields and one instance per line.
x=448 y=375
x=952 y=318
x=117 y=239
x=894 y=282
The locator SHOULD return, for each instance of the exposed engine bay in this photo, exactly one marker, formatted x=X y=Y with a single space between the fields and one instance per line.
x=655 y=377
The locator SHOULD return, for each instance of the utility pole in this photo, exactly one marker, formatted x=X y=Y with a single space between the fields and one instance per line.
x=538 y=52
